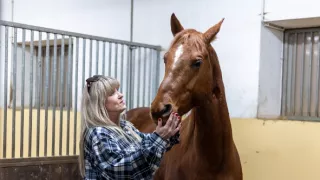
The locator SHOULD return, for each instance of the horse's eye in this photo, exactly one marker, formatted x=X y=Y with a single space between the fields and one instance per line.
x=197 y=63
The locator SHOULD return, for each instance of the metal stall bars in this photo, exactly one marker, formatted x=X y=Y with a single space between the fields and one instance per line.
x=301 y=72
x=47 y=69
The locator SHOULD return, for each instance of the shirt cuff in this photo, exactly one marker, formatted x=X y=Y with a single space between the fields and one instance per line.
x=158 y=141
x=175 y=139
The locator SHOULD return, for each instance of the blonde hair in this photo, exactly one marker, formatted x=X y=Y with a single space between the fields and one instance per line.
x=95 y=114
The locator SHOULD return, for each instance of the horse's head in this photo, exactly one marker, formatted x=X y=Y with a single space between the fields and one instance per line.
x=190 y=69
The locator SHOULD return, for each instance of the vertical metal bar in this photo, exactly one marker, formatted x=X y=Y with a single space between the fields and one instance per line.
x=310 y=78
x=144 y=78
x=139 y=76
x=289 y=79
x=315 y=65
x=294 y=61
x=39 y=91
x=116 y=61
x=5 y=93
x=132 y=67
x=46 y=95
x=121 y=67
x=69 y=87
x=97 y=58
x=71 y=82
x=54 y=93
x=109 y=67
x=14 y=91
x=284 y=75
x=318 y=80
x=150 y=74
x=30 y=94
x=157 y=72
x=83 y=62
x=302 y=77
x=128 y=71
x=22 y=89
x=131 y=21
x=90 y=53
x=76 y=98
x=104 y=58
x=61 y=93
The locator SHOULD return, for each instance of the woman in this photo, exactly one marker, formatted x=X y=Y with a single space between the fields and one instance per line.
x=112 y=148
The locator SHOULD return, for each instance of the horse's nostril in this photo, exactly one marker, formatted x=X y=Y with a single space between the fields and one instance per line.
x=166 y=110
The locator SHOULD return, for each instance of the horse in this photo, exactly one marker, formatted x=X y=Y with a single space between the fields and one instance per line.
x=141 y=119
x=193 y=84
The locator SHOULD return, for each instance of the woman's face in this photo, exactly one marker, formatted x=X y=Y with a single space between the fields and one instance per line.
x=115 y=102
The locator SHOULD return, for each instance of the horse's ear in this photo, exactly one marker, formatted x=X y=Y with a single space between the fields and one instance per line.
x=175 y=25
x=211 y=33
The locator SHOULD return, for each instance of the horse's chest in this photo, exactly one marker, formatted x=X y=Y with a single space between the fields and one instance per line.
x=181 y=166
x=188 y=166
x=194 y=173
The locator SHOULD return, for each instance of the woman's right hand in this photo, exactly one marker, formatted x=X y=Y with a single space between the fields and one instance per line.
x=172 y=126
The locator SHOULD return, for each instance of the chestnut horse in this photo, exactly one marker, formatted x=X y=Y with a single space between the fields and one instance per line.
x=141 y=119
x=193 y=83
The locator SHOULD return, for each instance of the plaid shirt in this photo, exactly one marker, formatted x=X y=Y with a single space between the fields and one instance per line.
x=109 y=155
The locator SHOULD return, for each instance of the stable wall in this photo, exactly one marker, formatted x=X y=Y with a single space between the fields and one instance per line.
x=100 y=18
x=237 y=44
x=273 y=149
x=270 y=73
x=50 y=134
x=294 y=9
x=242 y=45
x=269 y=149
x=278 y=149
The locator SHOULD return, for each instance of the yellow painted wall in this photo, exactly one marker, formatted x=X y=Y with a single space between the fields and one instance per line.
x=278 y=150
x=269 y=149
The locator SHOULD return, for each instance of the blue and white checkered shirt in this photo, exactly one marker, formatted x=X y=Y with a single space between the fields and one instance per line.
x=109 y=155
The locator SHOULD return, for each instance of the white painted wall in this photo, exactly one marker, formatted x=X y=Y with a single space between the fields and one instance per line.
x=241 y=43
x=279 y=10
x=237 y=45
x=270 y=74
x=99 y=17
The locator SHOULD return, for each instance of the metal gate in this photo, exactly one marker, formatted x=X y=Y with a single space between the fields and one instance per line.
x=301 y=73
x=43 y=72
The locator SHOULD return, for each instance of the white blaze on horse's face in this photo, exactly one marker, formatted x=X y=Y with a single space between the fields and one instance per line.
x=177 y=54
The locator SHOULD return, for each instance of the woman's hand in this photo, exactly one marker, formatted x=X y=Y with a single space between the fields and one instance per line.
x=172 y=126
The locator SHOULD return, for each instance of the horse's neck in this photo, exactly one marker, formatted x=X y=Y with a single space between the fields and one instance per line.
x=211 y=128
